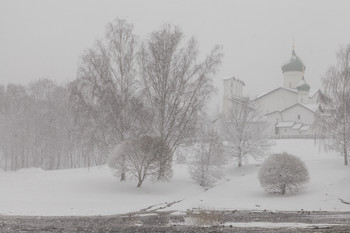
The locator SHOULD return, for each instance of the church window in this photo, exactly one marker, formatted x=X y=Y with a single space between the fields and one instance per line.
x=298 y=116
x=290 y=85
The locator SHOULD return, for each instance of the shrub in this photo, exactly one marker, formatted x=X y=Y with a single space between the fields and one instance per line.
x=281 y=173
x=138 y=157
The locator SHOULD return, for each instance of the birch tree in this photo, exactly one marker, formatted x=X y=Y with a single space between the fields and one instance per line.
x=37 y=128
x=176 y=86
x=105 y=90
x=208 y=157
x=245 y=132
x=333 y=121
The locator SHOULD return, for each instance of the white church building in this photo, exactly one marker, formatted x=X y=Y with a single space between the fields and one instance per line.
x=289 y=110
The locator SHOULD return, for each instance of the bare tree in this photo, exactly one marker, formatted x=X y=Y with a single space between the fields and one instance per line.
x=245 y=131
x=37 y=128
x=333 y=120
x=139 y=157
x=105 y=90
x=176 y=86
x=209 y=156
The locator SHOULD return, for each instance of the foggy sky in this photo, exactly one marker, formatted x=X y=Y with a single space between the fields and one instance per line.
x=45 y=39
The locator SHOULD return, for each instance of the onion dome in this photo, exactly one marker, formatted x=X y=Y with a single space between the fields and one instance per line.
x=303 y=86
x=295 y=64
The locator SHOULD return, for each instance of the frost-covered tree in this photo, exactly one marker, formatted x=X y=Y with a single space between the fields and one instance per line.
x=37 y=128
x=176 y=86
x=138 y=157
x=105 y=93
x=208 y=157
x=333 y=119
x=245 y=131
x=281 y=173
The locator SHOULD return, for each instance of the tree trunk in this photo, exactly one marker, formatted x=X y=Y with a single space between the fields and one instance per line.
x=139 y=183
x=162 y=167
x=240 y=161
x=123 y=176
x=346 y=162
x=283 y=189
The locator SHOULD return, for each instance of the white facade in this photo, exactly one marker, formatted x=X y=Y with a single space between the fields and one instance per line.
x=292 y=78
x=233 y=91
x=288 y=110
x=299 y=114
x=276 y=100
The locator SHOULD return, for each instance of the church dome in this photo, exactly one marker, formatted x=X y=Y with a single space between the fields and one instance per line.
x=295 y=64
x=303 y=86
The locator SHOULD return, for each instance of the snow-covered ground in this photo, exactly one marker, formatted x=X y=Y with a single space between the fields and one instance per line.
x=95 y=191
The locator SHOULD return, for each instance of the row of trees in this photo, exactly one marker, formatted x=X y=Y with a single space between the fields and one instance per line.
x=38 y=129
x=128 y=92
x=126 y=89
x=156 y=87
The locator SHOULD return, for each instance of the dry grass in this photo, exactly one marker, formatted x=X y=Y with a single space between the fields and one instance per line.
x=204 y=217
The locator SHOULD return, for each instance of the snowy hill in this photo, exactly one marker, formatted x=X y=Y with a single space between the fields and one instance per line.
x=95 y=191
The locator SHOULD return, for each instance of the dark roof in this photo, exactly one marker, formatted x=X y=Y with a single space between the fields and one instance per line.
x=303 y=86
x=295 y=64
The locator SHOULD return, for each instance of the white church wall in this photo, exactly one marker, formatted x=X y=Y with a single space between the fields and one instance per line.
x=303 y=97
x=292 y=78
x=314 y=98
x=299 y=114
x=272 y=119
x=288 y=132
x=233 y=89
x=276 y=101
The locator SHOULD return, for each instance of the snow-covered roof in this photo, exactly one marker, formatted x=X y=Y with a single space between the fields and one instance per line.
x=312 y=107
x=232 y=77
x=276 y=89
x=313 y=92
x=285 y=124
x=274 y=112
x=297 y=126
x=298 y=104
x=229 y=77
x=304 y=127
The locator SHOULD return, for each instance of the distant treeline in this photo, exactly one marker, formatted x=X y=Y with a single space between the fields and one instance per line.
x=39 y=128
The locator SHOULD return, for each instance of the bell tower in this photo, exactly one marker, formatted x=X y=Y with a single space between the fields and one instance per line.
x=233 y=91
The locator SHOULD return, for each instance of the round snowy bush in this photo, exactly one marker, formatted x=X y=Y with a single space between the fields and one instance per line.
x=281 y=173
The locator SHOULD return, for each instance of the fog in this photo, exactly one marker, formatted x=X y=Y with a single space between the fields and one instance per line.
x=45 y=39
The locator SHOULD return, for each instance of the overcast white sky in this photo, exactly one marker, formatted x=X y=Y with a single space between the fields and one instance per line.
x=45 y=39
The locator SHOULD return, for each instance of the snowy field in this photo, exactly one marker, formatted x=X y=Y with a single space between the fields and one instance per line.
x=95 y=191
